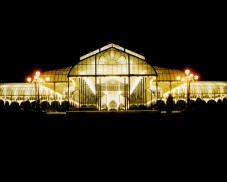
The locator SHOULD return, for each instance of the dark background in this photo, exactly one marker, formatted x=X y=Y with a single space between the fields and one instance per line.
x=176 y=35
x=50 y=36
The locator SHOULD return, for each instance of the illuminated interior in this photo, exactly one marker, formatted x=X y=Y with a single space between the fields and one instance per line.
x=111 y=78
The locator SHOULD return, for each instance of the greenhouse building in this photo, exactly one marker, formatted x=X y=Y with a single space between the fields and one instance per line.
x=112 y=78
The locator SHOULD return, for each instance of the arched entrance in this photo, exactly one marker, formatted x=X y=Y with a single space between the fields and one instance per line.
x=113 y=105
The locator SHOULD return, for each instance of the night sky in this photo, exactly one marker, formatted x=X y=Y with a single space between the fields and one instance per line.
x=48 y=37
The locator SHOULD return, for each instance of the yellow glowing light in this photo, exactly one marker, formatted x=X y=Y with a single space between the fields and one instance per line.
x=37 y=73
x=196 y=77
x=187 y=72
x=47 y=79
x=191 y=75
x=29 y=79
x=178 y=77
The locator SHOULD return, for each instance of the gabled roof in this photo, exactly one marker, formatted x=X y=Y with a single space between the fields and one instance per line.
x=108 y=47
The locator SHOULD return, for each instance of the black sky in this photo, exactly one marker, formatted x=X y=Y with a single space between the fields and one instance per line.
x=50 y=37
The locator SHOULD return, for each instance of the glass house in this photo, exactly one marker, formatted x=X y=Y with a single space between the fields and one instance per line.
x=111 y=77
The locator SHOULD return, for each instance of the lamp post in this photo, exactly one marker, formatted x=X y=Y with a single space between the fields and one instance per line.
x=37 y=80
x=188 y=78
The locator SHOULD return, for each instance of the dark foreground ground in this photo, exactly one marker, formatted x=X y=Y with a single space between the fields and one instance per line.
x=114 y=137
x=139 y=120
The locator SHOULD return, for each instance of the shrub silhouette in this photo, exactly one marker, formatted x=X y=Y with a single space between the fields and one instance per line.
x=22 y=105
x=26 y=105
x=65 y=106
x=160 y=105
x=1 y=105
x=220 y=105
x=6 y=108
x=211 y=105
x=93 y=107
x=55 y=106
x=86 y=108
x=33 y=105
x=224 y=104
x=14 y=106
x=133 y=107
x=181 y=105
x=45 y=105
x=192 y=104
x=198 y=104
x=142 y=107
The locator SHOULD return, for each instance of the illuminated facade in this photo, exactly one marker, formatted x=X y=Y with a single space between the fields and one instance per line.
x=111 y=77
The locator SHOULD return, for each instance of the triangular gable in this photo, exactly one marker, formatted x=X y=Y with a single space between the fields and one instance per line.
x=108 y=47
